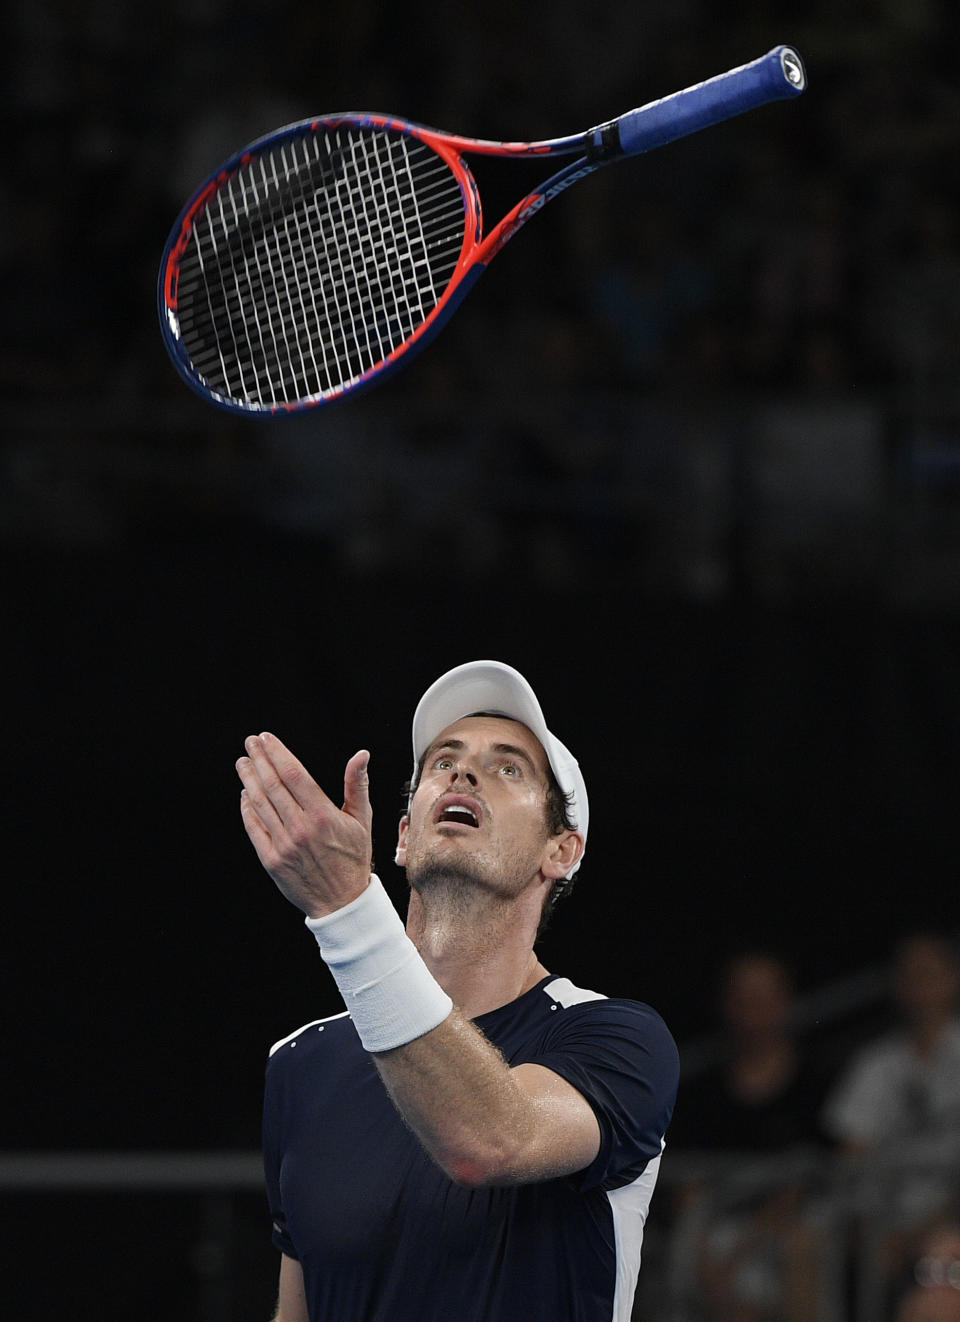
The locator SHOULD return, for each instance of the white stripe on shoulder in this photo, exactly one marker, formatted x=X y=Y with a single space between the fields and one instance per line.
x=566 y=994
x=303 y=1028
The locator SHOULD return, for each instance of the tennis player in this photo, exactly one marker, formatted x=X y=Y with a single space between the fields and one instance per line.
x=473 y=1139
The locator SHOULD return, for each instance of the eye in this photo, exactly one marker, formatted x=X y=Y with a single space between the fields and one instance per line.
x=509 y=769
x=443 y=763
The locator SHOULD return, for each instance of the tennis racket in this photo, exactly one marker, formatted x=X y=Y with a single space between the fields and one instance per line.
x=322 y=256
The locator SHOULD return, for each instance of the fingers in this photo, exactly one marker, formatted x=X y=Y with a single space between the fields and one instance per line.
x=259 y=836
x=356 y=789
x=317 y=854
x=279 y=785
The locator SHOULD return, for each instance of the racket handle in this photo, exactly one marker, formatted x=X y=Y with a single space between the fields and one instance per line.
x=778 y=74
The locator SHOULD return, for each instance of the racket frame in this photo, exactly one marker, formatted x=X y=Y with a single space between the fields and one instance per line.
x=778 y=75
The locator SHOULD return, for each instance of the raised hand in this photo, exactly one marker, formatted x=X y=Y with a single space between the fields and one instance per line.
x=318 y=855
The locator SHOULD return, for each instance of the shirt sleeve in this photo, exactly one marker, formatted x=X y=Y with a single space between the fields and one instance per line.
x=621 y=1057
x=272 y=1115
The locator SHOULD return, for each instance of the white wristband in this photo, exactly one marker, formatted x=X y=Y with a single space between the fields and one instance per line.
x=391 y=994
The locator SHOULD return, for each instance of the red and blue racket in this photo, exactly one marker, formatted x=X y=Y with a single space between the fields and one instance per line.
x=322 y=256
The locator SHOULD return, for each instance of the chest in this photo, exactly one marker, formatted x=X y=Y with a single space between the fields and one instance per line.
x=352 y=1176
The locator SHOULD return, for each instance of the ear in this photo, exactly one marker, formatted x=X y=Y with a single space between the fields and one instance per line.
x=400 y=857
x=562 y=853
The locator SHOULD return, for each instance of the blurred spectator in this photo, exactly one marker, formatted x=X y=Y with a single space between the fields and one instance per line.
x=908 y=1082
x=897 y=1107
x=745 y=1250
x=766 y=1094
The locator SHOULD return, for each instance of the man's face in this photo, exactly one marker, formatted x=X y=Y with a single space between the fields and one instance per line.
x=479 y=813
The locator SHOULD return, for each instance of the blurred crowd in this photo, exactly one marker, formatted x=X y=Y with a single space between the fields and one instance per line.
x=820 y=1173
x=756 y=325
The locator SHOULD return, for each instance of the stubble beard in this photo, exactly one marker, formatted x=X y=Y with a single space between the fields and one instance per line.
x=457 y=883
x=443 y=885
x=450 y=875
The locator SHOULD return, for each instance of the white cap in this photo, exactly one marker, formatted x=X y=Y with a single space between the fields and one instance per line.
x=491 y=686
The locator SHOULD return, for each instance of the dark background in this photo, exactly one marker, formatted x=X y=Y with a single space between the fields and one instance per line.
x=688 y=457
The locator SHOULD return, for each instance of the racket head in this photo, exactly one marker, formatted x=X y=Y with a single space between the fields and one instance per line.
x=316 y=260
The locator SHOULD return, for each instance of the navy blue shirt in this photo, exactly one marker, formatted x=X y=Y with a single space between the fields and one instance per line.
x=383 y=1235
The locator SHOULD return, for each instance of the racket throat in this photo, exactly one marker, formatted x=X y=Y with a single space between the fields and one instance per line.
x=602 y=144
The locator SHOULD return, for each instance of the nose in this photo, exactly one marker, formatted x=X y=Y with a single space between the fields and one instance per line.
x=463 y=770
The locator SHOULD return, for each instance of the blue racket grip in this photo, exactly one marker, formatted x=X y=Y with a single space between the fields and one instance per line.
x=778 y=74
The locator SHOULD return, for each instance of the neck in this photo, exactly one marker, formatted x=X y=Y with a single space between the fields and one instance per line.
x=478 y=947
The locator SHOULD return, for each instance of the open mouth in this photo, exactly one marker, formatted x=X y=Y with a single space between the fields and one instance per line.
x=458 y=812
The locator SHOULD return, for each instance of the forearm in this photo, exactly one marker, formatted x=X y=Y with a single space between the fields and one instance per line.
x=459 y=1096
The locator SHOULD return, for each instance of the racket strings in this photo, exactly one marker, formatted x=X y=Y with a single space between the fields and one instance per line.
x=315 y=261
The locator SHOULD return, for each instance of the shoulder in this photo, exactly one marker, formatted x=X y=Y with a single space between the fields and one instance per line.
x=619 y=1055
x=580 y=1018
x=319 y=1060
x=595 y=1008
x=309 y=1033
x=564 y=993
